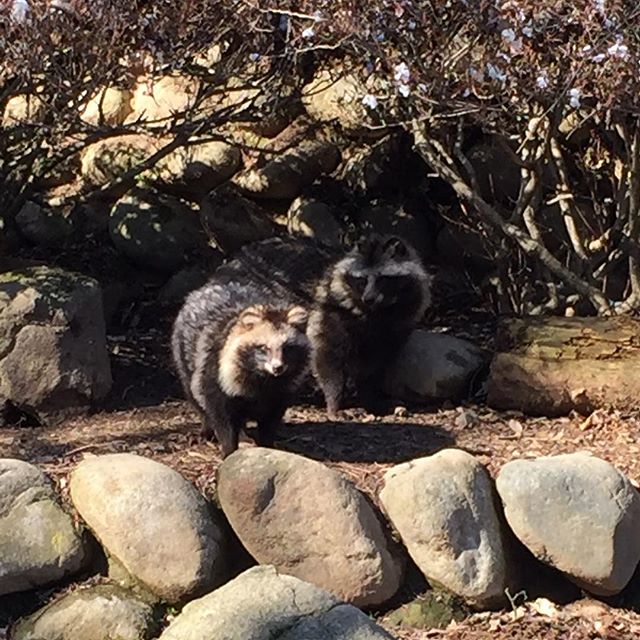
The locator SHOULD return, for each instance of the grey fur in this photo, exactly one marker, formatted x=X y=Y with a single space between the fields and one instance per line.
x=367 y=304
x=224 y=379
x=354 y=332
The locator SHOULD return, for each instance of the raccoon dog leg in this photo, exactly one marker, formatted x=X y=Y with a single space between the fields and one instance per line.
x=331 y=378
x=268 y=424
x=329 y=357
x=180 y=363
x=371 y=395
x=377 y=355
x=370 y=374
x=222 y=423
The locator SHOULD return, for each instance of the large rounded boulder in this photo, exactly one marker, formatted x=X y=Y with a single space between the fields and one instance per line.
x=577 y=513
x=101 y=612
x=151 y=522
x=263 y=604
x=53 y=349
x=38 y=543
x=433 y=366
x=156 y=230
x=443 y=508
x=309 y=521
x=285 y=176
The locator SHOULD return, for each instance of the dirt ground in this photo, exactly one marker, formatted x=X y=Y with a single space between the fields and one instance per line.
x=146 y=415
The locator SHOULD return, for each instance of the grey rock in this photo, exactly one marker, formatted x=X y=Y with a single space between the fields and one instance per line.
x=53 y=351
x=109 y=159
x=276 y=118
x=232 y=221
x=443 y=508
x=93 y=215
x=109 y=105
x=315 y=220
x=576 y=513
x=102 y=612
x=44 y=226
x=182 y=283
x=343 y=622
x=199 y=166
x=24 y=109
x=259 y=603
x=152 y=522
x=433 y=366
x=155 y=230
x=372 y=166
x=335 y=96
x=310 y=522
x=167 y=98
x=38 y=542
x=262 y=604
x=285 y=176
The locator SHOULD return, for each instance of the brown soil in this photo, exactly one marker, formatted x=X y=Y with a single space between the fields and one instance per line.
x=145 y=415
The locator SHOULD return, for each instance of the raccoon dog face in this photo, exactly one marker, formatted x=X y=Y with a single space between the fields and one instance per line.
x=380 y=272
x=267 y=344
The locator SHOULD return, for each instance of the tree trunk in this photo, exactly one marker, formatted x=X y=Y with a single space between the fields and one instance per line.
x=549 y=366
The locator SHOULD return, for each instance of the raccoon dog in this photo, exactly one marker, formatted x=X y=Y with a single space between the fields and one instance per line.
x=366 y=305
x=289 y=267
x=239 y=356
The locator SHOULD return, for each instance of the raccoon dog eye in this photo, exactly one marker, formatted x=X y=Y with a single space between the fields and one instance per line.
x=396 y=248
x=291 y=351
x=358 y=283
x=394 y=282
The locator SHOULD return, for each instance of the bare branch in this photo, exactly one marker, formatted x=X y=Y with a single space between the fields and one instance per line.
x=633 y=300
x=491 y=216
x=566 y=199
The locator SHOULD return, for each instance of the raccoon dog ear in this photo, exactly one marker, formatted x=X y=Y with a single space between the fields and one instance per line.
x=396 y=247
x=298 y=317
x=361 y=243
x=250 y=317
x=367 y=243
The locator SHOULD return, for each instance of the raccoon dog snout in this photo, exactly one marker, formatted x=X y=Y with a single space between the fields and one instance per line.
x=275 y=367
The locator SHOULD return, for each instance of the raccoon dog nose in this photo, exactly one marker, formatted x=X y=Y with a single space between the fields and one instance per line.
x=369 y=297
x=369 y=294
x=277 y=368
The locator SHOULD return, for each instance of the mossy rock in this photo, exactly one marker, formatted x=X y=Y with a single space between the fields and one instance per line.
x=39 y=294
x=101 y=612
x=57 y=283
x=46 y=226
x=156 y=231
x=53 y=350
x=434 y=609
x=39 y=544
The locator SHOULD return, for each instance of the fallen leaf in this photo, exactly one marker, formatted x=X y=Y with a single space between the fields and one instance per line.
x=545 y=607
x=516 y=426
x=465 y=420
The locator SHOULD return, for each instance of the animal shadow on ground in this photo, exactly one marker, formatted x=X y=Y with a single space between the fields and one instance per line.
x=363 y=442
x=50 y=444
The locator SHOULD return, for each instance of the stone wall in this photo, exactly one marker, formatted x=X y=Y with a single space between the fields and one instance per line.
x=320 y=547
